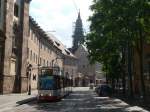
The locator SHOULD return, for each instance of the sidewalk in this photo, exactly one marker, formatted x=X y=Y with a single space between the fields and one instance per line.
x=8 y=101
x=135 y=101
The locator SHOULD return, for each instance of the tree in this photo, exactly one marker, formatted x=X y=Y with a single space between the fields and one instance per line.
x=117 y=24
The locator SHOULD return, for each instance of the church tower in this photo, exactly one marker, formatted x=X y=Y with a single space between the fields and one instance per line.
x=78 y=36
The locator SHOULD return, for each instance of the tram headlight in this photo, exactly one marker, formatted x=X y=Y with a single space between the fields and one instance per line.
x=41 y=94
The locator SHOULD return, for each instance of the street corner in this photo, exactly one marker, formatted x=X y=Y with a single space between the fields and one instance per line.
x=27 y=100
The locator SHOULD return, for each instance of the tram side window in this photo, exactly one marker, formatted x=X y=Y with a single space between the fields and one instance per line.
x=61 y=82
x=64 y=84
x=58 y=83
x=55 y=83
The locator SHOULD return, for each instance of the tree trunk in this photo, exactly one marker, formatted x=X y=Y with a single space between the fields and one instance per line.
x=113 y=84
x=130 y=70
x=141 y=65
x=123 y=71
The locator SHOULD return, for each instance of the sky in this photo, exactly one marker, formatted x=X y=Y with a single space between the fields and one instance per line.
x=58 y=16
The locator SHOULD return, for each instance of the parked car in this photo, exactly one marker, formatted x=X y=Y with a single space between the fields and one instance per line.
x=91 y=85
x=97 y=88
x=103 y=90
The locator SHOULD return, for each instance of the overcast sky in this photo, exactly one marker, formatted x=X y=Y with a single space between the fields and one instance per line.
x=59 y=16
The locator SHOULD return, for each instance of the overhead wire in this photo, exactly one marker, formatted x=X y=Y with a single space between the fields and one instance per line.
x=75 y=5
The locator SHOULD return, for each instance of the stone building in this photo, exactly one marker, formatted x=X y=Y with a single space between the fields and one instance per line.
x=14 y=31
x=46 y=50
x=69 y=59
x=87 y=72
x=43 y=51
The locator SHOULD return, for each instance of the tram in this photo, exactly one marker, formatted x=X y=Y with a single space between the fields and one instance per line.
x=52 y=85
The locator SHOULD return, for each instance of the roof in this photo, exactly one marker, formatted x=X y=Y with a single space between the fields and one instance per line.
x=50 y=38
x=84 y=47
x=59 y=45
x=39 y=30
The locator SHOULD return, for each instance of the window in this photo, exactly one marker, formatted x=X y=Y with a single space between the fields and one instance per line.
x=47 y=63
x=44 y=47
x=34 y=39
x=37 y=41
x=50 y=51
x=40 y=60
x=34 y=57
x=47 y=49
x=72 y=71
x=32 y=36
x=16 y=10
x=58 y=44
x=28 y=53
x=30 y=32
x=44 y=62
x=41 y=46
x=31 y=55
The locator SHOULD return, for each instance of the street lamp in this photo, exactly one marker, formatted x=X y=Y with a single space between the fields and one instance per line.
x=29 y=69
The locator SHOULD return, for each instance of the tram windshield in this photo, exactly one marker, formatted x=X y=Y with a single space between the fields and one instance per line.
x=46 y=82
x=47 y=79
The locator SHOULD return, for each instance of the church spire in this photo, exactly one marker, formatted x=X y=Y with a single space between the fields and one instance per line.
x=78 y=36
x=79 y=17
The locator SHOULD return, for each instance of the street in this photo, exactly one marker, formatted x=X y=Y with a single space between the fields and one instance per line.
x=81 y=100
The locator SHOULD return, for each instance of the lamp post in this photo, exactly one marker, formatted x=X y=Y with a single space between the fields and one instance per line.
x=29 y=68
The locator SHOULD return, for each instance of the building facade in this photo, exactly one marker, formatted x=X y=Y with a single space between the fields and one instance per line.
x=69 y=59
x=87 y=72
x=42 y=52
x=45 y=50
x=14 y=28
x=70 y=66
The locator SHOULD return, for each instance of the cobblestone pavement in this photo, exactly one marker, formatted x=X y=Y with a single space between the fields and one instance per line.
x=80 y=101
x=8 y=101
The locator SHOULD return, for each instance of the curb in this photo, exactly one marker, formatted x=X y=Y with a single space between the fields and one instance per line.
x=24 y=101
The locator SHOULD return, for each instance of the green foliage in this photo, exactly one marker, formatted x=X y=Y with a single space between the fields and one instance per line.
x=114 y=24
